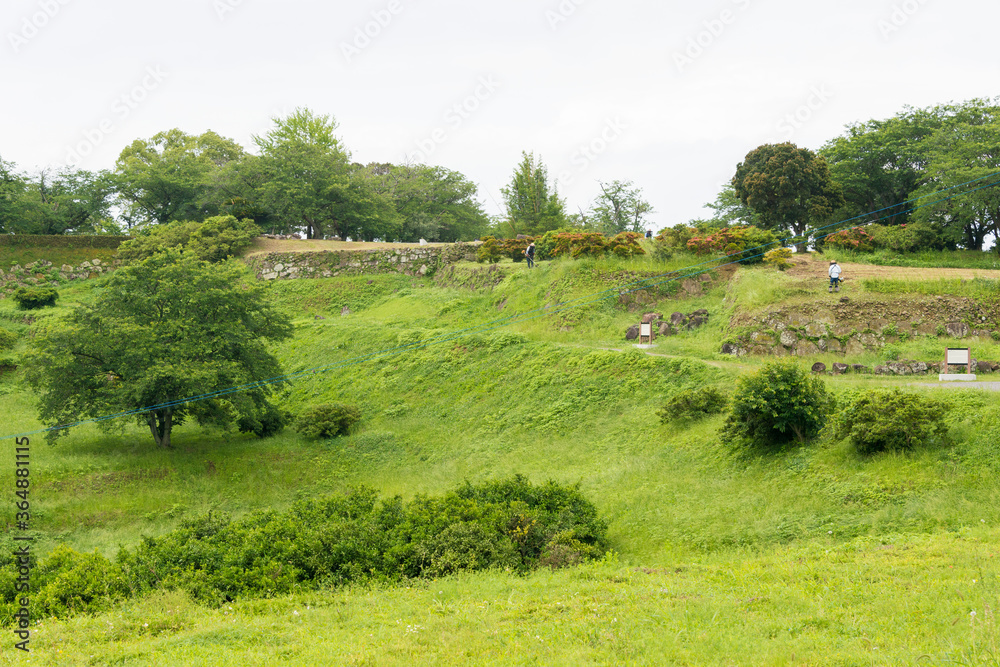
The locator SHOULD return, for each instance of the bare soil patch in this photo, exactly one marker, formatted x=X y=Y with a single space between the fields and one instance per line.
x=817 y=268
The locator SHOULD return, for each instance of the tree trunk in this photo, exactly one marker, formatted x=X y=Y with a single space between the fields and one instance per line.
x=160 y=422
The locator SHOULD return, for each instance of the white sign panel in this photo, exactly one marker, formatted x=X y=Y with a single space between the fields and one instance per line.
x=958 y=356
x=646 y=329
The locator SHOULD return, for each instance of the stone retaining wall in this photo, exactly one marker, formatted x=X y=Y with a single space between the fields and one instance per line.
x=410 y=260
x=44 y=272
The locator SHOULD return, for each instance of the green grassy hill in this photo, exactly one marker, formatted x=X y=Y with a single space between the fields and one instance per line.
x=814 y=556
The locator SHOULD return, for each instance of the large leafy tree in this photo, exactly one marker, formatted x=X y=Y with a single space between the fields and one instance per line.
x=965 y=150
x=532 y=207
x=68 y=202
x=165 y=329
x=434 y=203
x=620 y=208
x=789 y=188
x=880 y=163
x=308 y=182
x=171 y=176
x=12 y=188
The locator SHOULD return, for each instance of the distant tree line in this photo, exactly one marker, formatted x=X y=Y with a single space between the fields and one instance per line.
x=871 y=175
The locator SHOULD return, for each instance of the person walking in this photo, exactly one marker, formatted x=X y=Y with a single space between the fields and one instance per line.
x=834 y=277
x=529 y=252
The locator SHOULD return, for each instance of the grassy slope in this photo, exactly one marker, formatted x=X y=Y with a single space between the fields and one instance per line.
x=815 y=557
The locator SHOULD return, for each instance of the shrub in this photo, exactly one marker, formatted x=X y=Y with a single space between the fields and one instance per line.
x=571 y=244
x=881 y=420
x=7 y=339
x=213 y=240
x=776 y=405
x=30 y=298
x=327 y=420
x=693 y=404
x=267 y=421
x=514 y=248
x=489 y=250
x=70 y=582
x=905 y=238
x=855 y=238
x=778 y=258
x=676 y=238
x=746 y=244
x=626 y=244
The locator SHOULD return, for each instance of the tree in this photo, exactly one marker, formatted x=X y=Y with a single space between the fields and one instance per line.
x=788 y=187
x=166 y=329
x=880 y=163
x=69 y=202
x=965 y=149
x=171 y=176
x=620 y=208
x=531 y=207
x=776 y=405
x=308 y=182
x=434 y=203
x=729 y=212
x=214 y=240
x=12 y=187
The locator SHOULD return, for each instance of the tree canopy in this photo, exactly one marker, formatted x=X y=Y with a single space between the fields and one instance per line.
x=168 y=328
x=620 y=208
x=532 y=207
x=789 y=188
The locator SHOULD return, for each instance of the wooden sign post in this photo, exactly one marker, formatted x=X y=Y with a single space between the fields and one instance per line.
x=646 y=332
x=958 y=356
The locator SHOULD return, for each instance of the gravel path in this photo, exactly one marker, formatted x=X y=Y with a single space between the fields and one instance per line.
x=988 y=386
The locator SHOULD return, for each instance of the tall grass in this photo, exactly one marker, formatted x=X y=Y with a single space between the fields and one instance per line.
x=976 y=287
x=955 y=259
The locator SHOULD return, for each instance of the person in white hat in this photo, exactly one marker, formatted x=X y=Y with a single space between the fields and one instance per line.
x=834 y=276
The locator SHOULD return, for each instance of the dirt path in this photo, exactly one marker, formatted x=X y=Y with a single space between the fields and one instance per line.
x=816 y=266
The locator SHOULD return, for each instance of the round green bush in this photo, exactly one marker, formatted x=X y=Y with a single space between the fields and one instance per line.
x=777 y=405
x=882 y=420
x=693 y=404
x=30 y=298
x=327 y=420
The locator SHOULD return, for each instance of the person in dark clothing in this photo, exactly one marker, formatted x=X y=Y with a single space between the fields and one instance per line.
x=529 y=252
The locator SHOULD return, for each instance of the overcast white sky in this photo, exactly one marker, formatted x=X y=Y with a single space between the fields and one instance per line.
x=670 y=95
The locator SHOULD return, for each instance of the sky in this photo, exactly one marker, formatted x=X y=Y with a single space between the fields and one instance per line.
x=669 y=95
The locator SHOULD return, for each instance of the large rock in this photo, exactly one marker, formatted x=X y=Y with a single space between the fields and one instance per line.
x=819 y=367
x=899 y=368
x=957 y=329
x=729 y=348
x=677 y=319
x=788 y=339
x=632 y=333
x=860 y=368
x=840 y=369
x=651 y=317
x=696 y=322
x=665 y=329
x=701 y=312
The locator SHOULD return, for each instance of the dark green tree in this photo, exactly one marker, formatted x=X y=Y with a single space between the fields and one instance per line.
x=213 y=240
x=171 y=176
x=68 y=202
x=434 y=203
x=163 y=330
x=309 y=183
x=789 y=188
x=531 y=206
x=777 y=405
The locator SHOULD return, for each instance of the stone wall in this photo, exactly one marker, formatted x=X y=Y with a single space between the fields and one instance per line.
x=409 y=260
x=46 y=273
x=854 y=327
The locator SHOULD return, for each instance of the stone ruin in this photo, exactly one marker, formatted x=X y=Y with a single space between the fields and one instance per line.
x=902 y=367
x=670 y=326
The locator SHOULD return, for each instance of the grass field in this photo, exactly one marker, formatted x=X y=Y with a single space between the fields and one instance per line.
x=816 y=556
